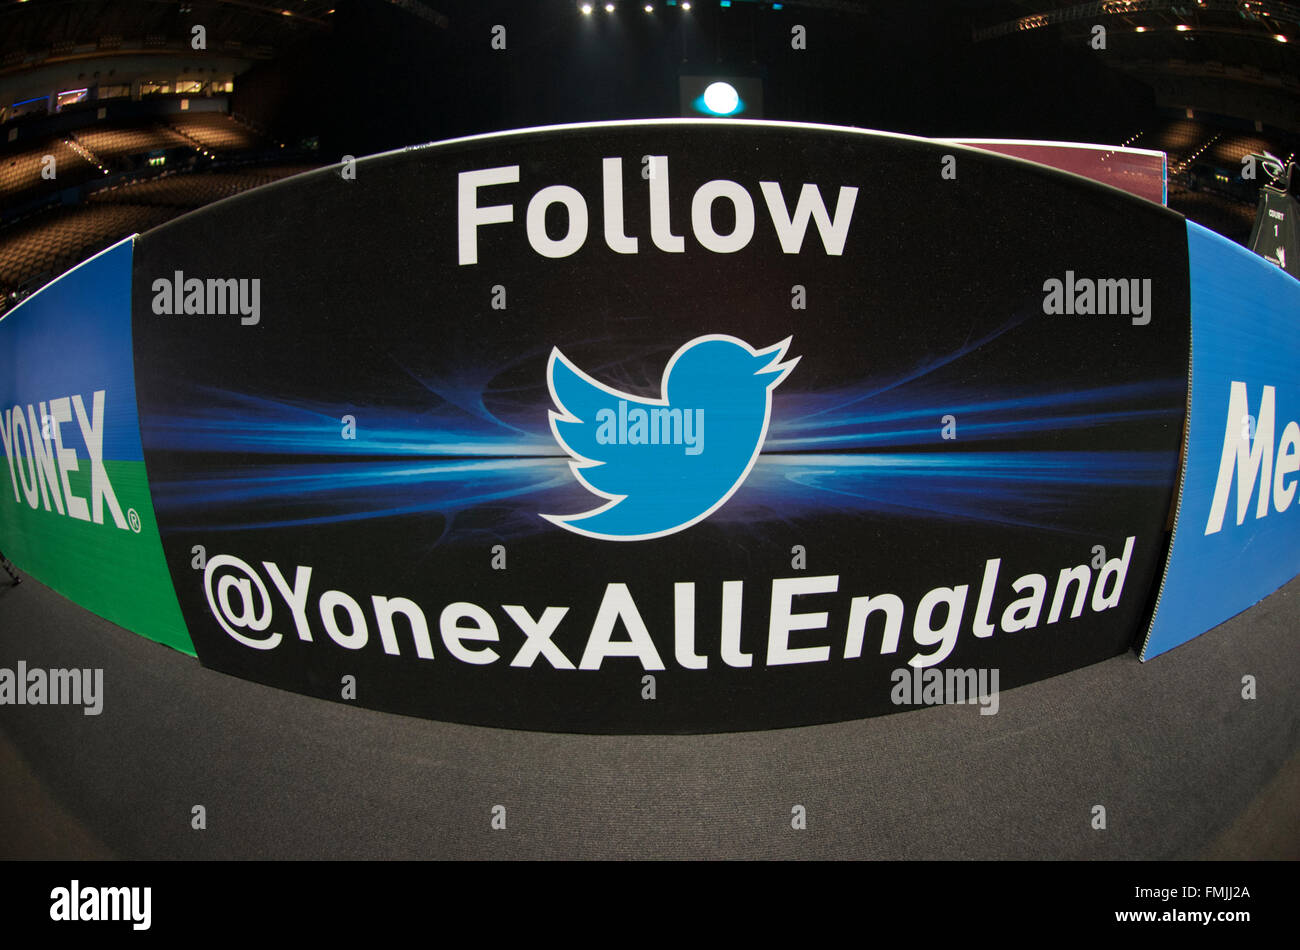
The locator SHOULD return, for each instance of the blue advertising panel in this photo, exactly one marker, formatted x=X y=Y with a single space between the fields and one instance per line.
x=1237 y=534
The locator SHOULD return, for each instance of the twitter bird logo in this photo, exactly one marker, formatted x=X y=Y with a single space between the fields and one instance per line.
x=665 y=464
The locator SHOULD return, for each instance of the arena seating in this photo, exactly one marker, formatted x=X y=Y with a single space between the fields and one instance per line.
x=1180 y=139
x=186 y=191
x=52 y=242
x=217 y=132
x=1187 y=141
x=1230 y=218
x=46 y=244
x=20 y=172
x=110 y=144
x=1230 y=149
x=87 y=154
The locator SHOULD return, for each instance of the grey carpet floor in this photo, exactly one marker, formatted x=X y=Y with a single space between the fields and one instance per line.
x=1183 y=765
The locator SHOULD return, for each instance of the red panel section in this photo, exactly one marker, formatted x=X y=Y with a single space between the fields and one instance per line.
x=1138 y=171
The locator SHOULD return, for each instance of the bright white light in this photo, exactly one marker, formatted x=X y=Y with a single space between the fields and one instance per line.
x=649 y=9
x=686 y=6
x=721 y=98
x=1182 y=28
x=1279 y=37
x=586 y=9
x=609 y=8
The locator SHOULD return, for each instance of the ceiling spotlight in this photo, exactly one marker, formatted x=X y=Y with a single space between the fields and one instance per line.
x=1279 y=37
x=586 y=9
x=1141 y=29
x=1182 y=28
x=649 y=8
x=686 y=5
x=609 y=8
x=721 y=98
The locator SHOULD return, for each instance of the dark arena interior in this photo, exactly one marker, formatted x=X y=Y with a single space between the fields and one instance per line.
x=151 y=128
x=151 y=118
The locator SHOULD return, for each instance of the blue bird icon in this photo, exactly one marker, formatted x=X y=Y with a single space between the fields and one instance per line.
x=665 y=464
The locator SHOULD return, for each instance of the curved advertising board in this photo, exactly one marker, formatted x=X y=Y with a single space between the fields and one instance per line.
x=668 y=426
x=1236 y=538
x=75 y=508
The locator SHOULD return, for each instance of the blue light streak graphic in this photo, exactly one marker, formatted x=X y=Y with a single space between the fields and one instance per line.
x=264 y=463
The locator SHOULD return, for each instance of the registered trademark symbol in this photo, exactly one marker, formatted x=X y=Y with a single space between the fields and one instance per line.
x=133 y=516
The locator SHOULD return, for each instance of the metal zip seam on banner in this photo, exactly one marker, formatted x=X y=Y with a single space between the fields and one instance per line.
x=1182 y=478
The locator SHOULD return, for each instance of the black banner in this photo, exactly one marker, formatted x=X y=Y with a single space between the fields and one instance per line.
x=1106 y=898
x=664 y=426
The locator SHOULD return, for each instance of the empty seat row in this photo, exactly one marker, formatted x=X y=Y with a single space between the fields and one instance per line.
x=192 y=190
x=217 y=132
x=56 y=240
x=23 y=174
x=52 y=241
x=109 y=144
